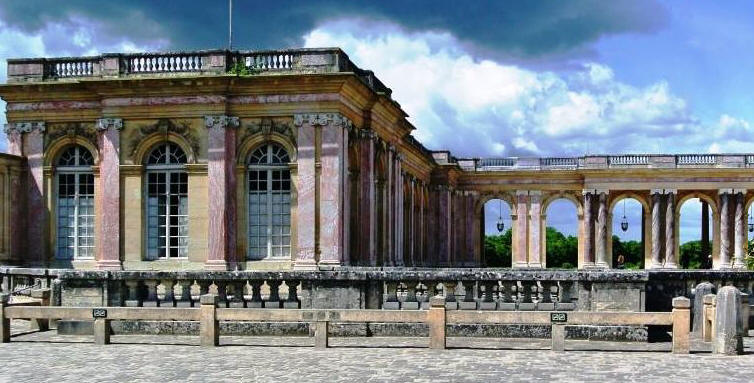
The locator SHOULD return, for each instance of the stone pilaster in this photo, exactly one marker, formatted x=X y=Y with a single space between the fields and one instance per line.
x=444 y=233
x=30 y=135
x=725 y=228
x=740 y=230
x=535 y=229
x=221 y=160
x=656 y=245
x=670 y=261
x=108 y=222
x=398 y=219
x=600 y=240
x=520 y=236
x=588 y=229
x=389 y=259
x=305 y=194
x=412 y=233
x=15 y=139
x=332 y=180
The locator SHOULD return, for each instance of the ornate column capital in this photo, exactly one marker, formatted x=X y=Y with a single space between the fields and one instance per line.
x=24 y=127
x=725 y=191
x=221 y=122
x=109 y=123
x=322 y=119
x=739 y=191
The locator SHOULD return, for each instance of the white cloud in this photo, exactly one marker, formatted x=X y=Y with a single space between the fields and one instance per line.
x=77 y=36
x=477 y=107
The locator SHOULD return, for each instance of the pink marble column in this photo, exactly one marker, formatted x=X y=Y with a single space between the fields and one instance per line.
x=725 y=196
x=600 y=231
x=656 y=244
x=305 y=194
x=588 y=229
x=411 y=235
x=520 y=236
x=108 y=198
x=422 y=246
x=367 y=198
x=17 y=193
x=670 y=261
x=15 y=141
x=535 y=226
x=739 y=239
x=33 y=150
x=470 y=223
x=332 y=181
x=398 y=220
x=444 y=233
x=221 y=159
x=388 y=257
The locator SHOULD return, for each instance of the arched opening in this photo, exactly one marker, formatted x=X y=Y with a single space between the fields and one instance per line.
x=269 y=188
x=167 y=202
x=498 y=233
x=74 y=204
x=561 y=220
x=628 y=244
x=695 y=233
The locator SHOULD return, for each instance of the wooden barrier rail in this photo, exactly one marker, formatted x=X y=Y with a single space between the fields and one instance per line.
x=437 y=318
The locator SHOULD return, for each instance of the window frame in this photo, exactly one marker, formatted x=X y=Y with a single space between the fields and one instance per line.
x=267 y=168
x=76 y=170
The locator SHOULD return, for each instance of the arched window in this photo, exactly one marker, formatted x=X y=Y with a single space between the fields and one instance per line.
x=269 y=188
x=75 y=204
x=167 y=202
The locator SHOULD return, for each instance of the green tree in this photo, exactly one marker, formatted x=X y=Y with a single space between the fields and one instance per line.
x=692 y=257
x=562 y=251
x=497 y=249
x=632 y=252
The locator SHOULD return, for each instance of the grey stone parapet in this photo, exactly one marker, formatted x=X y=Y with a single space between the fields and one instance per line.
x=596 y=162
x=187 y=63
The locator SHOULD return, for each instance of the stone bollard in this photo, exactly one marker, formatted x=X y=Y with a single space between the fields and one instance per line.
x=708 y=318
x=101 y=331
x=558 y=337
x=436 y=322
x=4 y=322
x=727 y=337
x=697 y=316
x=745 y=314
x=681 y=324
x=209 y=328
x=321 y=336
x=44 y=300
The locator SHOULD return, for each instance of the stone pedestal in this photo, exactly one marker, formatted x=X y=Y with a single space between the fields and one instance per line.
x=700 y=291
x=727 y=334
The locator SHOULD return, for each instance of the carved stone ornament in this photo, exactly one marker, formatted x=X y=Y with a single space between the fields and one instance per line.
x=109 y=123
x=24 y=127
x=162 y=126
x=220 y=122
x=322 y=119
x=266 y=126
x=85 y=130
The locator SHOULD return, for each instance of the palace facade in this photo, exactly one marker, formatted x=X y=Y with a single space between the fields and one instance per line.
x=275 y=160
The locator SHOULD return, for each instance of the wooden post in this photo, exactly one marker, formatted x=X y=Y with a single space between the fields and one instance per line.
x=4 y=322
x=709 y=317
x=436 y=322
x=320 y=334
x=101 y=331
x=37 y=324
x=558 y=337
x=681 y=324
x=209 y=328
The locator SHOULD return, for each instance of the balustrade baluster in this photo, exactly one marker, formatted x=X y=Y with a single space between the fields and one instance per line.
x=274 y=299
x=565 y=296
x=545 y=296
x=391 y=297
x=430 y=291
x=256 y=294
x=525 y=302
x=449 y=288
x=222 y=293
x=292 y=302
x=151 y=299
x=237 y=299
x=134 y=293
x=469 y=289
x=506 y=300
x=410 y=302
x=169 y=296
x=183 y=299
x=488 y=299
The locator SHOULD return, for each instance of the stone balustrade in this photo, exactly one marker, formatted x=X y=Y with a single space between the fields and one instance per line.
x=21 y=281
x=218 y=62
x=632 y=161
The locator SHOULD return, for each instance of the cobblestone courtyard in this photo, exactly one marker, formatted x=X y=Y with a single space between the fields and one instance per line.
x=49 y=357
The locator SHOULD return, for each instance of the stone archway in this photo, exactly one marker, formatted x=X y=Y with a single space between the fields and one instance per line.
x=577 y=203
x=645 y=223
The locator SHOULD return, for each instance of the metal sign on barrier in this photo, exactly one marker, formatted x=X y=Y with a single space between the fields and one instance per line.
x=99 y=313
x=558 y=317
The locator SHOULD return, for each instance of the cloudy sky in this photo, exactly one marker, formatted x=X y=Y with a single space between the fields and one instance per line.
x=481 y=78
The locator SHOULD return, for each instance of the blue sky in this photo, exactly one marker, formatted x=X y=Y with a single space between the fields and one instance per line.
x=481 y=78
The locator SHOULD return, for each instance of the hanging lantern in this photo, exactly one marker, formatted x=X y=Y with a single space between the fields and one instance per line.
x=624 y=221
x=500 y=224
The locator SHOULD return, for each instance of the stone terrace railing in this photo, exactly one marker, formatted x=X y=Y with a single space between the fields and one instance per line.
x=298 y=61
x=649 y=161
x=20 y=281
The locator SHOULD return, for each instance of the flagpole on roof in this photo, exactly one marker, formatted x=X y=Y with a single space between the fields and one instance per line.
x=230 y=24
